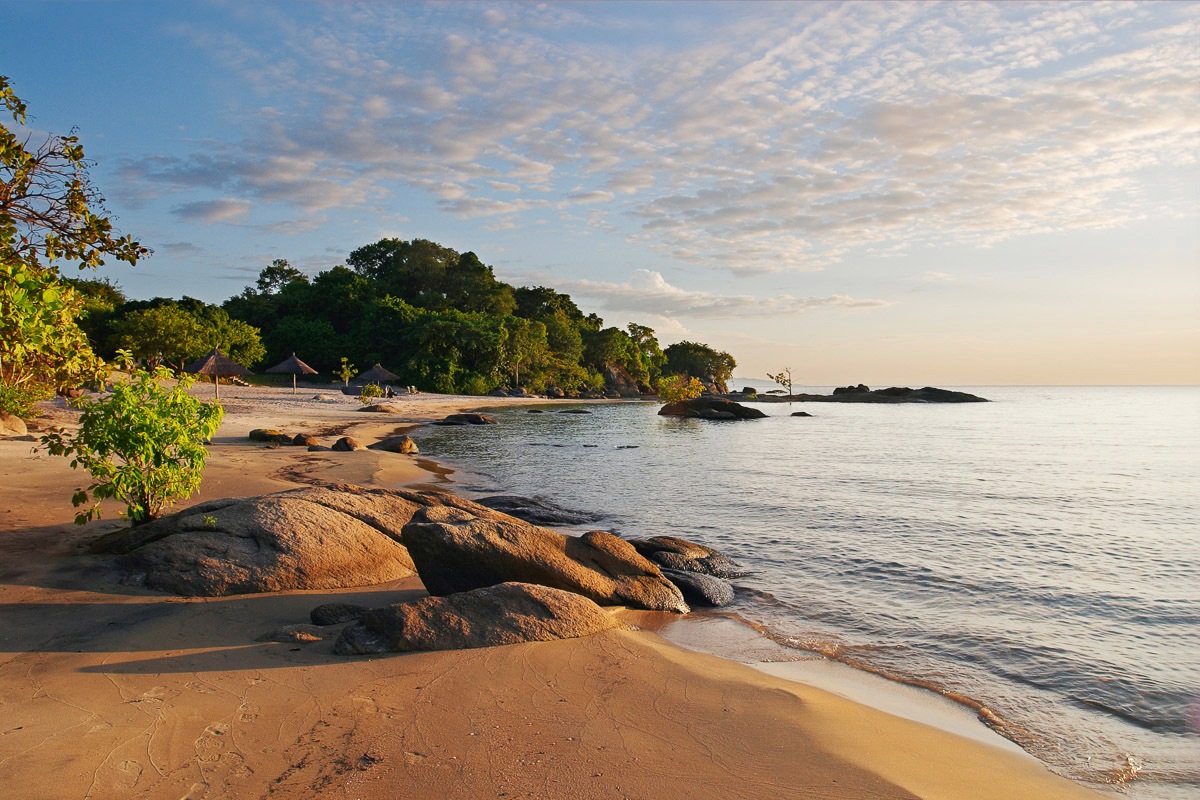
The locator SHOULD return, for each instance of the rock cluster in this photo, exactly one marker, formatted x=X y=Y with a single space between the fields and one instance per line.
x=457 y=550
x=710 y=407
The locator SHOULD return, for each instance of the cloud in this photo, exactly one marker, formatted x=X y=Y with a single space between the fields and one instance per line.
x=210 y=212
x=648 y=292
x=800 y=134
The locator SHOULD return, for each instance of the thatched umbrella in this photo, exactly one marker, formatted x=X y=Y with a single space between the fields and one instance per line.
x=294 y=366
x=377 y=374
x=216 y=365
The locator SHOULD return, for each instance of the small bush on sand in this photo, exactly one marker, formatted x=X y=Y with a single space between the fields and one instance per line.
x=143 y=444
x=369 y=393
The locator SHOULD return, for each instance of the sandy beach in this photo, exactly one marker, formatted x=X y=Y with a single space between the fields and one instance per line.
x=114 y=691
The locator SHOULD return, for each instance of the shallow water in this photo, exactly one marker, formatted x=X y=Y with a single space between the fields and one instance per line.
x=1037 y=557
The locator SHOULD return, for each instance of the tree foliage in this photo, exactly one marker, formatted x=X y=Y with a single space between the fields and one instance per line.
x=698 y=360
x=49 y=211
x=143 y=445
x=442 y=321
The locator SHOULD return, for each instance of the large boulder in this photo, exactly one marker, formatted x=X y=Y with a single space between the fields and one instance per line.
x=456 y=550
x=348 y=444
x=508 y=613
x=269 y=435
x=11 y=426
x=709 y=407
x=309 y=538
x=618 y=381
x=671 y=552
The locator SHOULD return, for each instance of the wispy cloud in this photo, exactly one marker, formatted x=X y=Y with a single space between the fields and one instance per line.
x=803 y=132
x=213 y=211
x=648 y=292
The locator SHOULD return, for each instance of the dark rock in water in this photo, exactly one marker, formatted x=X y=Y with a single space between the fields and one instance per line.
x=456 y=550
x=709 y=407
x=535 y=411
x=396 y=444
x=626 y=446
x=893 y=394
x=336 y=613
x=672 y=552
x=700 y=589
x=467 y=419
x=535 y=510
x=574 y=411
x=801 y=414
x=347 y=444
x=508 y=613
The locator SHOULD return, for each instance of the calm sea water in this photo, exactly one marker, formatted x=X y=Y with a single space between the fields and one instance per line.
x=1036 y=557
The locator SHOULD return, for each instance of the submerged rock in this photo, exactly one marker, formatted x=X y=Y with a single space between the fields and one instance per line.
x=700 y=589
x=671 y=552
x=467 y=419
x=455 y=550
x=396 y=444
x=507 y=613
x=535 y=510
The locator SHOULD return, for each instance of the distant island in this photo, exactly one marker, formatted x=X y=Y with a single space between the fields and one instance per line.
x=864 y=394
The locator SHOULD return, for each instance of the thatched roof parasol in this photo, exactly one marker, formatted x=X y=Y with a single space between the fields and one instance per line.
x=294 y=366
x=376 y=373
x=216 y=365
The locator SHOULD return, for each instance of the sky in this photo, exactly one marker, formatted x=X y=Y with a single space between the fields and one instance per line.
x=955 y=194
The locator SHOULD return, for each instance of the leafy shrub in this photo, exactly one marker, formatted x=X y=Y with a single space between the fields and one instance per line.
x=18 y=400
x=143 y=445
x=370 y=392
x=679 y=387
x=474 y=383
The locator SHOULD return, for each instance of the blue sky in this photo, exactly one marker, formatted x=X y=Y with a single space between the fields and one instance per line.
x=961 y=193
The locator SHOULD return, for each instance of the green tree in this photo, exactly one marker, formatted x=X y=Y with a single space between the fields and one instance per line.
x=784 y=379
x=346 y=372
x=650 y=352
x=525 y=344
x=161 y=334
x=278 y=275
x=49 y=211
x=143 y=445
x=699 y=360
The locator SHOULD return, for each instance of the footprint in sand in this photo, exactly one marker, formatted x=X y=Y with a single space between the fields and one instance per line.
x=199 y=686
x=247 y=714
x=129 y=773
x=211 y=743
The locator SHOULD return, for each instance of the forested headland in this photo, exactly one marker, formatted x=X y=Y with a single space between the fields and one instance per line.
x=437 y=318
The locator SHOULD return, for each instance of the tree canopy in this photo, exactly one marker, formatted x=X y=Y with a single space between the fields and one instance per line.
x=50 y=212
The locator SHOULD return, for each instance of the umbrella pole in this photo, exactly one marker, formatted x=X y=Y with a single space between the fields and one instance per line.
x=293 y=383
x=216 y=390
